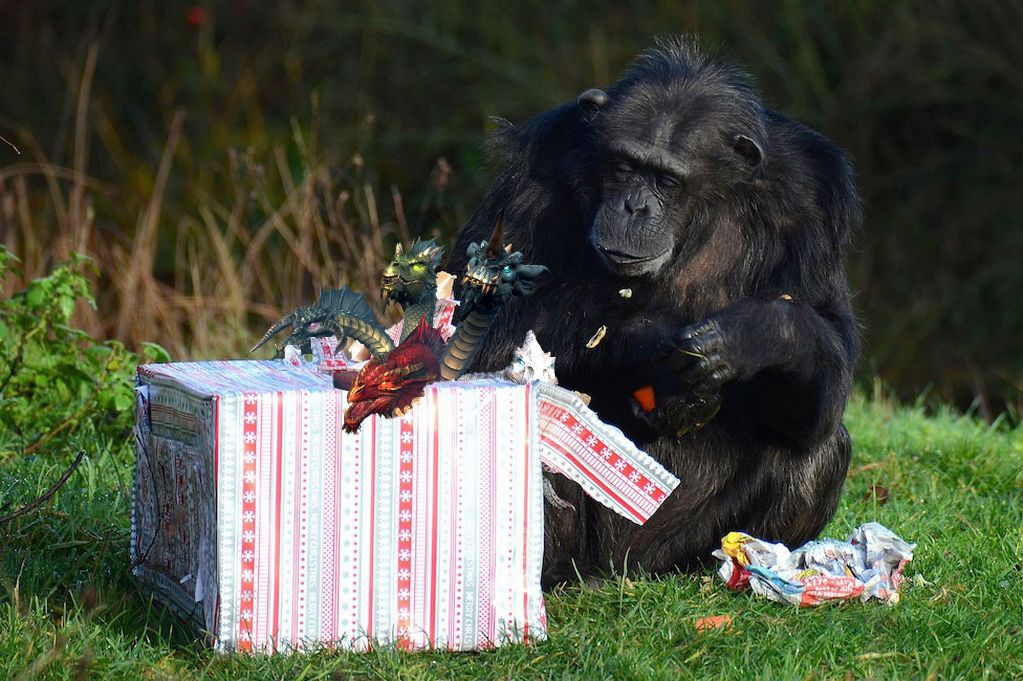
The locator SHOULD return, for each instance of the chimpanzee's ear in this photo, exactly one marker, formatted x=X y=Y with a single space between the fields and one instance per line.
x=591 y=102
x=749 y=149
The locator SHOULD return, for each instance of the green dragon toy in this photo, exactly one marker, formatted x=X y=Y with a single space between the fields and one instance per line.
x=411 y=281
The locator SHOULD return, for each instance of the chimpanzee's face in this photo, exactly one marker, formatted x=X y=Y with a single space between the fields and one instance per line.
x=662 y=160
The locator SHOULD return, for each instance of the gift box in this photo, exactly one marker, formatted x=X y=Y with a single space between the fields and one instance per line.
x=259 y=519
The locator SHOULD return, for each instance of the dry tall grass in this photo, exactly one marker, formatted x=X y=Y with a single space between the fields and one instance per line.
x=238 y=263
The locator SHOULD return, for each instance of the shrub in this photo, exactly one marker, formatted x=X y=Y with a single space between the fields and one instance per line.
x=57 y=382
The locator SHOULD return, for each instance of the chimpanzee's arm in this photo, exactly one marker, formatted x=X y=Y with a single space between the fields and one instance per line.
x=788 y=363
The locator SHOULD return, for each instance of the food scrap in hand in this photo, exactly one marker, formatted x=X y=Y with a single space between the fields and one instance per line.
x=597 y=337
x=646 y=398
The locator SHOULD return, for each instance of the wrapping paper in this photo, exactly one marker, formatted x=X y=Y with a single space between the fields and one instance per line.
x=869 y=565
x=259 y=519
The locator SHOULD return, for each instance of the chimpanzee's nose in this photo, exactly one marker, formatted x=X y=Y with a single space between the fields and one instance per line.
x=637 y=204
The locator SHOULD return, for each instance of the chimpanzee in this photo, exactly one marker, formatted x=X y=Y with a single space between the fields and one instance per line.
x=707 y=233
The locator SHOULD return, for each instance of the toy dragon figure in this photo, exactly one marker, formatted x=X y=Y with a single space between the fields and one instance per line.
x=531 y=363
x=389 y=384
x=493 y=275
x=395 y=377
x=341 y=313
x=411 y=281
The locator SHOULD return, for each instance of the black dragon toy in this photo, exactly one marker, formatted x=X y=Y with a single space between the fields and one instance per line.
x=493 y=275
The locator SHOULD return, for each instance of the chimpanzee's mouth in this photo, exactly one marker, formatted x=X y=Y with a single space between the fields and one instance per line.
x=622 y=258
x=630 y=265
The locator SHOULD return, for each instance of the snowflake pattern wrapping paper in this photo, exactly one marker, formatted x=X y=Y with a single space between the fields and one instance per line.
x=257 y=518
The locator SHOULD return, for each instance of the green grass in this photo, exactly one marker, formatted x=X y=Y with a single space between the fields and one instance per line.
x=68 y=607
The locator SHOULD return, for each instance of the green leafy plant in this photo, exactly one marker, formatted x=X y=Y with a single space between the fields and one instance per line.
x=56 y=379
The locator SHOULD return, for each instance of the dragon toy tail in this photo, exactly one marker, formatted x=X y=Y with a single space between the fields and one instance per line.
x=369 y=334
x=466 y=343
x=279 y=325
x=350 y=312
x=339 y=312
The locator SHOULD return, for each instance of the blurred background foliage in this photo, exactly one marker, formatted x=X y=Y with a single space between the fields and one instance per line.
x=220 y=160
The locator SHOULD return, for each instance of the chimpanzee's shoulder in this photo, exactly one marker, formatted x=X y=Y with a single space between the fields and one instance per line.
x=798 y=154
x=544 y=137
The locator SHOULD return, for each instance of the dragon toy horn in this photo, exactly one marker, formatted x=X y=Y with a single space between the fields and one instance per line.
x=282 y=323
x=497 y=238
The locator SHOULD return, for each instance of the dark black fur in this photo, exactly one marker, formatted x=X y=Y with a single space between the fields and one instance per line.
x=754 y=213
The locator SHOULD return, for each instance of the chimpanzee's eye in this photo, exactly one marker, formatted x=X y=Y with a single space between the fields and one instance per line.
x=667 y=181
x=622 y=169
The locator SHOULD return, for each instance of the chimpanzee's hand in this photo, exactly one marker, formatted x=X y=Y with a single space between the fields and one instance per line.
x=734 y=343
x=679 y=414
x=702 y=361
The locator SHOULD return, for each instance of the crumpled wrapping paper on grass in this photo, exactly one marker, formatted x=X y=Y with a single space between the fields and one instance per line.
x=869 y=565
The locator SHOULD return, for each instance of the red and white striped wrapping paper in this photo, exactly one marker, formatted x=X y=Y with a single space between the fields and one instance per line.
x=257 y=517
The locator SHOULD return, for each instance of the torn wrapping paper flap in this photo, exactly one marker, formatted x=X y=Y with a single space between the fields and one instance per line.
x=599 y=457
x=256 y=516
x=326 y=356
x=869 y=565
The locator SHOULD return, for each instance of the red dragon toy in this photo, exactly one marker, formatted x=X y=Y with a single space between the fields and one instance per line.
x=389 y=384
